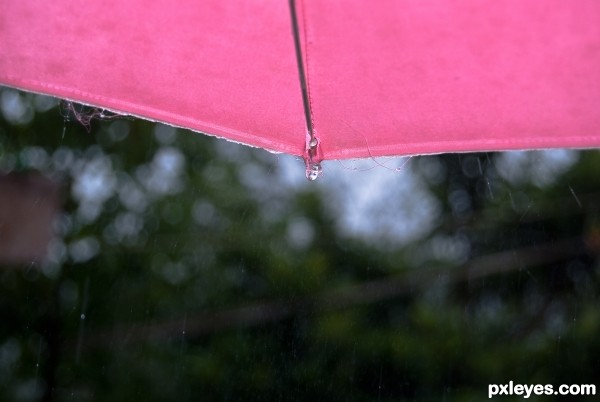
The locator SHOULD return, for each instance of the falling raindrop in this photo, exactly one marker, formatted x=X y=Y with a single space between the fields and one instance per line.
x=64 y=130
x=39 y=355
x=82 y=317
x=575 y=196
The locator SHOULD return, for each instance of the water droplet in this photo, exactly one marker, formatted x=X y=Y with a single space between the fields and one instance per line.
x=313 y=170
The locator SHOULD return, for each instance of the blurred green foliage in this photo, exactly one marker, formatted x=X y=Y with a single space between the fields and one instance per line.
x=186 y=268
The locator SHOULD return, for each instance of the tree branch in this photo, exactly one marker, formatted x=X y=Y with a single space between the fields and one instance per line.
x=359 y=294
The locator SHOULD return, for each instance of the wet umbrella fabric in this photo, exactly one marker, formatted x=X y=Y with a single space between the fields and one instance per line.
x=382 y=78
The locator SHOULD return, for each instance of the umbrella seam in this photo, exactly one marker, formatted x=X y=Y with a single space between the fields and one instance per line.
x=306 y=62
x=312 y=151
x=314 y=144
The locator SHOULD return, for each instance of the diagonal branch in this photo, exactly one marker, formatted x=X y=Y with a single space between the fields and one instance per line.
x=359 y=294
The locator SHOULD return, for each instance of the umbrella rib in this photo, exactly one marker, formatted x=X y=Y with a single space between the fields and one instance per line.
x=301 y=70
x=312 y=157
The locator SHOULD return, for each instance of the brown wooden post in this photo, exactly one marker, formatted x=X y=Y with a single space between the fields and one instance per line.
x=28 y=205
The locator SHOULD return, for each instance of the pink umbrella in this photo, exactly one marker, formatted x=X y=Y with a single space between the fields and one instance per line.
x=324 y=79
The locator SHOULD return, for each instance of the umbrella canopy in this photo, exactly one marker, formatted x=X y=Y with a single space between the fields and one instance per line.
x=361 y=79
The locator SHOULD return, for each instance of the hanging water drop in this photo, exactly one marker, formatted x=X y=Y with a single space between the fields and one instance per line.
x=313 y=170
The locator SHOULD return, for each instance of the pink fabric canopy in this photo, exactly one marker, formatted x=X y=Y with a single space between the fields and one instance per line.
x=388 y=77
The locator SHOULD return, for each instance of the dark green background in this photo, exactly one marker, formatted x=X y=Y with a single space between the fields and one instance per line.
x=234 y=283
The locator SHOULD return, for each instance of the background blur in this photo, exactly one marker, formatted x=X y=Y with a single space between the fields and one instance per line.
x=183 y=267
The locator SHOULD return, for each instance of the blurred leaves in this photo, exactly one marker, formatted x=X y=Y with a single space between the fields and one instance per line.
x=189 y=268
